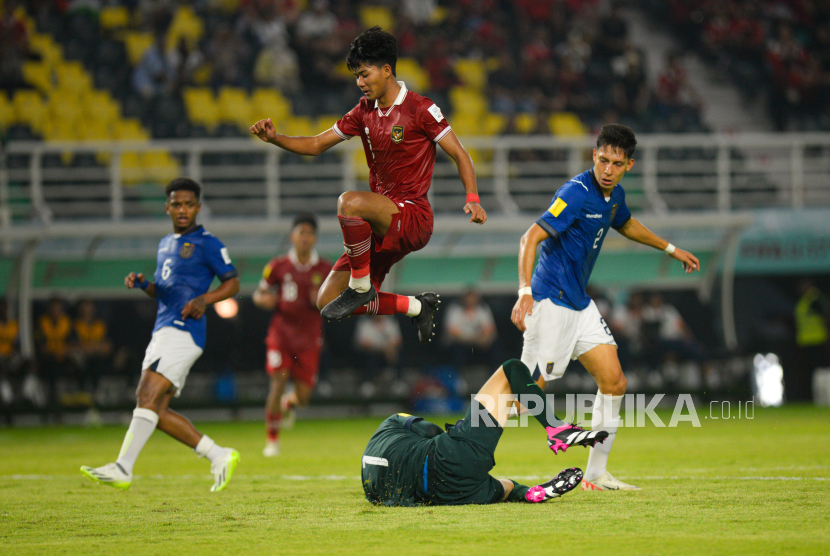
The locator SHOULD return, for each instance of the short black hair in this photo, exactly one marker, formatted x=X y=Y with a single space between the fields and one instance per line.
x=305 y=218
x=183 y=184
x=373 y=47
x=617 y=136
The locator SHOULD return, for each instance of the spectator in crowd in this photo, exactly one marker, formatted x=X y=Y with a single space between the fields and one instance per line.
x=379 y=340
x=676 y=97
x=627 y=324
x=53 y=337
x=812 y=321
x=228 y=55
x=93 y=347
x=470 y=331
x=666 y=337
x=154 y=76
x=14 y=45
x=9 y=358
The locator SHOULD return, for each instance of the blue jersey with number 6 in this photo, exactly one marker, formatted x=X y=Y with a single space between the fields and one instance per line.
x=186 y=265
x=577 y=223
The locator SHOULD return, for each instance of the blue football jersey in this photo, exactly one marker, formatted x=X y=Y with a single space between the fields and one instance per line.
x=577 y=221
x=185 y=267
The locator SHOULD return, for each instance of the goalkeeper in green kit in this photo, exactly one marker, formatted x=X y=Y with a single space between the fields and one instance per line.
x=410 y=461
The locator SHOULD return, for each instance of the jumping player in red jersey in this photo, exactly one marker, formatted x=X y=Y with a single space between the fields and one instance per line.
x=399 y=130
x=289 y=287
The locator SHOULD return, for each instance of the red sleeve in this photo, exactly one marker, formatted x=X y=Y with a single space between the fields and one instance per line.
x=350 y=125
x=271 y=273
x=431 y=121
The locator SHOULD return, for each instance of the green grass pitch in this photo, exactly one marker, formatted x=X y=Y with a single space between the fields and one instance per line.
x=759 y=486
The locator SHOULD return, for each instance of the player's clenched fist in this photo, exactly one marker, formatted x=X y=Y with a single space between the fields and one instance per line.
x=477 y=214
x=265 y=130
x=132 y=278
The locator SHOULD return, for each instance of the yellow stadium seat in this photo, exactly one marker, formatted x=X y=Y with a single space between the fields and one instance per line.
x=494 y=124
x=269 y=103
x=468 y=101
x=235 y=107
x=94 y=130
x=73 y=76
x=465 y=124
x=114 y=17
x=50 y=52
x=524 y=123
x=299 y=126
x=410 y=72
x=159 y=166
x=325 y=121
x=129 y=129
x=136 y=44
x=377 y=15
x=567 y=124
x=186 y=24
x=60 y=129
x=201 y=106
x=472 y=73
x=65 y=106
x=6 y=111
x=99 y=105
x=28 y=108
x=38 y=74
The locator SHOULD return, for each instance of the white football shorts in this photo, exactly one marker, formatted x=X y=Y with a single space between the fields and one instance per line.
x=171 y=353
x=555 y=335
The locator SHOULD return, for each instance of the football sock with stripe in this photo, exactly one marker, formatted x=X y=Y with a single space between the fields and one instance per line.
x=357 y=239
x=272 y=424
x=606 y=417
x=522 y=384
x=141 y=428
x=391 y=304
x=207 y=448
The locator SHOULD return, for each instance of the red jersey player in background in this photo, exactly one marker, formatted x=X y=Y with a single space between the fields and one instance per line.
x=399 y=130
x=289 y=287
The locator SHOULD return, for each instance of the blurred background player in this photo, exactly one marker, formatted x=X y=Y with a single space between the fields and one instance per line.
x=187 y=262
x=560 y=322
x=409 y=461
x=399 y=130
x=289 y=287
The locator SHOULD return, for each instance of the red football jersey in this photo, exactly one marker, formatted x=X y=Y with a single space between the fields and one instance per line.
x=296 y=321
x=399 y=143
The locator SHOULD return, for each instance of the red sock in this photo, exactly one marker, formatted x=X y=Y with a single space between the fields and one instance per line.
x=357 y=238
x=385 y=304
x=272 y=423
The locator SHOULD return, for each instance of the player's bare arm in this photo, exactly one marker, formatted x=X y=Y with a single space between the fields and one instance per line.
x=196 y=307
x=527 y=255
x=133 y=280
x=453 y=147
x=636 y=231
x=311 y=146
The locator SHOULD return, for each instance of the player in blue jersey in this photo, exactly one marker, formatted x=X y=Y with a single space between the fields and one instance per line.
x=187 y=262
x=560 y=322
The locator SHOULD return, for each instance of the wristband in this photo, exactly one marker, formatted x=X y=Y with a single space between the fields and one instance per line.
x=669 y=249
x=525 y=291
x=473 y=198
x=143 y=285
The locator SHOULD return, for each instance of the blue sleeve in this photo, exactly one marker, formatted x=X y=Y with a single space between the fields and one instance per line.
x=217 y=258
x=564 y=208
x=623 y=215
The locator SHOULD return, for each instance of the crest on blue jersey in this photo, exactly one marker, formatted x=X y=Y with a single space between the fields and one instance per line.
x=613 y=212
x=187 y=250
x=397 y=133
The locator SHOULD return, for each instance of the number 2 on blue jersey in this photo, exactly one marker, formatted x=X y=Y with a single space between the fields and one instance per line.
x=599 y=235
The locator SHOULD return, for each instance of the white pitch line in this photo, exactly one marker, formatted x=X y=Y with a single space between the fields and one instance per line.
x=357 y=478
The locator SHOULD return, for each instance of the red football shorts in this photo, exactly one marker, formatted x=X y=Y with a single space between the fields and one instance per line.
x=409 y=231
x=302 y=365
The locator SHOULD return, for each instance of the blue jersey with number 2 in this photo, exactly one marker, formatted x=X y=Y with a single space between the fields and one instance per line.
x=577 y=223
x=185 y=267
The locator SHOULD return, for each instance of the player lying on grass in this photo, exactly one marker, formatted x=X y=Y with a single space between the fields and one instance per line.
x=187 y=262
x=399 y=130
x=409 y=461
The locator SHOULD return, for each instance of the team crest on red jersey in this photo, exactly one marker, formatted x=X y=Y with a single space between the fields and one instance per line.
x=187 y=250
x=397 y=133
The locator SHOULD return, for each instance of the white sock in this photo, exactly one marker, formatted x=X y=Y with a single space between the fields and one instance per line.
x=605 y=417
x=414 y=307
x=361 y=285
x=141 y=427
x=207 y=448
